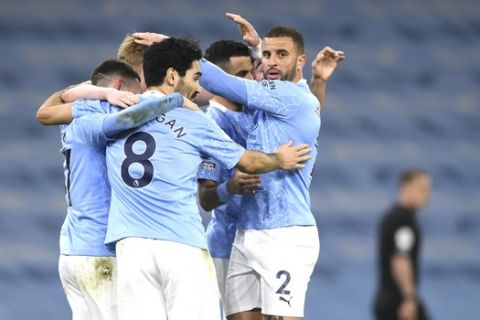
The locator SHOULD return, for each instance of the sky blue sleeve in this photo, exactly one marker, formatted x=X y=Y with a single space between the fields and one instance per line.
x=209 y=169
x=89 y=129
x=273 y=97
x=223 y=84
x=216 y=144
x=140 y=113
x=83 y=107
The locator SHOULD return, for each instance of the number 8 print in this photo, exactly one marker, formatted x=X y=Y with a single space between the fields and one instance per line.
x=142 y=159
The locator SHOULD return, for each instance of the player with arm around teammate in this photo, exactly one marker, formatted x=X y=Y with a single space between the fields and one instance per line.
x=276 y=222
x=153 y=213
x=87 y=267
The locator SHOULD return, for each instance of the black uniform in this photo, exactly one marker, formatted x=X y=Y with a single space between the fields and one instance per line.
x=398 y=234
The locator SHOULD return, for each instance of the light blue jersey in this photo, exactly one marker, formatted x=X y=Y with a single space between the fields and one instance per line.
x=86 y=184
x=153 y=173
x=283 y=111
x=87 y=187
x=223 y=225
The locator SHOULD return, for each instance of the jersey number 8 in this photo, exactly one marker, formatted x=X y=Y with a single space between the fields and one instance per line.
x=141 y=158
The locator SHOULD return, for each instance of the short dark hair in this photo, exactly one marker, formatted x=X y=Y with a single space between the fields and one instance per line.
x=287 y=31
x=175 y=53
x=113 y=67
x=221 y=51
x=409 y=175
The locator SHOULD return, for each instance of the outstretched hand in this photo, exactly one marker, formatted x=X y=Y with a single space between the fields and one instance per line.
x=293 y=157
x=148 y=38
x=248 y=32
x=325 y=63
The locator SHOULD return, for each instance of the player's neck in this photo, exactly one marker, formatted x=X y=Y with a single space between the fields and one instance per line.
x=227 y=104
x=298 y=76
x=166 y=90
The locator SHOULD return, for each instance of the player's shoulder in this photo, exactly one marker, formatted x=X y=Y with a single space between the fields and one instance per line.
x=396 y=217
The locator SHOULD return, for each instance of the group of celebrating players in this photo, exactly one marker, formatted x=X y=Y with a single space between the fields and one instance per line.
x=140 y=155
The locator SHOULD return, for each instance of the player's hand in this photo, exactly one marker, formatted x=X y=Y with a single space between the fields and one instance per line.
x=148 y=38
x=292 y=157
x=122 y=99
x=189 y=104
x=243 y=183
x=408 y=310
x=248 y=32
x=325 y=63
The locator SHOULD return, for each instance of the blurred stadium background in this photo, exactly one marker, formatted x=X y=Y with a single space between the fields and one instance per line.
x=407 y=95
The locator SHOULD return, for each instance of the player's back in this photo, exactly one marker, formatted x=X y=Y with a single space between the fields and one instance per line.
x=87 y=186
x=283 y=199
x=153 y=170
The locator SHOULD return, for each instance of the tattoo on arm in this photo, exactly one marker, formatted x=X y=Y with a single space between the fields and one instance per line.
x=270 y=317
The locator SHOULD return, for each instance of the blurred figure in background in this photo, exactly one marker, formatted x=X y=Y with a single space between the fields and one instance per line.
x=399 y=241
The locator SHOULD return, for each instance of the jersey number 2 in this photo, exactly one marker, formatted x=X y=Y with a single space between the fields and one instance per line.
x=141 y=158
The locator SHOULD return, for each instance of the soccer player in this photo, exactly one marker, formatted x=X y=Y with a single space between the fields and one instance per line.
x=277 y=244
x=234 y=58
x=87 y=267
x=161 y=256
x=399 y=242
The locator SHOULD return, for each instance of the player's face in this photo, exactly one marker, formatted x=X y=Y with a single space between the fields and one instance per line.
x=241 y=67
x=280 y=59
x=189 y=85
x=421 y=189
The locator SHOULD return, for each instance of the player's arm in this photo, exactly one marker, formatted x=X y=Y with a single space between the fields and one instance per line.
x=213 y=195
x=143 y=112
x=323 y=66
x=262 y=95
x=285 y=157
x=54 y=111
x=402 y=271
x=215 y=143
x=57 y=108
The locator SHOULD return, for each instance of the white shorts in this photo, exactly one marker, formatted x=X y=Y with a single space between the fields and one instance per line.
x=166 y=280
x=221 y=268
x=270 y=269
x=90 y=286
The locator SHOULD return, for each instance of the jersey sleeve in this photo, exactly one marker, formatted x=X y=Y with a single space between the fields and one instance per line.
x=223 y=84
x=89 y=129
x=209 y=169
x=404 y=239
x=277 y=98
x=83 y=107
x=140 y=113
x=217 y=144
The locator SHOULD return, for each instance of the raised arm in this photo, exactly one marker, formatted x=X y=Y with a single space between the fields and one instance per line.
x=268 y=96
x=323 y=66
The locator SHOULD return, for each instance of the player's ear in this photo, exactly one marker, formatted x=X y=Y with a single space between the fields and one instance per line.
x=118 y=84
x=301 y=61
x=172 y=77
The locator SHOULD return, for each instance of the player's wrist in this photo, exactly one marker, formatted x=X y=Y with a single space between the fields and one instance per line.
x=410 y=298
x=222 y=191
